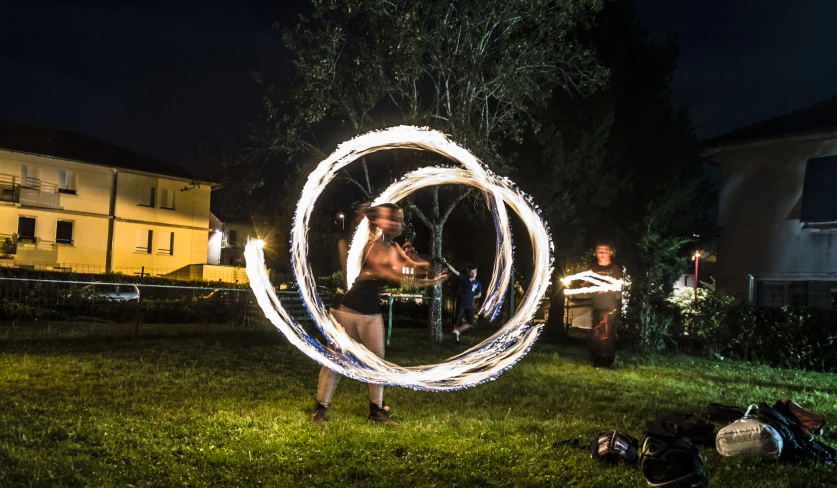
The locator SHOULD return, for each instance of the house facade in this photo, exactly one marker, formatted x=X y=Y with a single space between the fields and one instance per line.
x=778 y=210
x=75 y=204
x=231 y=232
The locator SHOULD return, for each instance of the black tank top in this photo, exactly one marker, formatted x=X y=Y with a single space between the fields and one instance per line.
x=363 y=297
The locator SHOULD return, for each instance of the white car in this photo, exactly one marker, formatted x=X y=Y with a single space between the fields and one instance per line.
x=124 y=292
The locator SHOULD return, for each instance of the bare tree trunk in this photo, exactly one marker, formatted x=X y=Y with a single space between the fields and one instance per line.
x=435 y=223
x=434 y=323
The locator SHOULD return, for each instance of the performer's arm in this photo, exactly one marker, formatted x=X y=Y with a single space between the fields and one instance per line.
x=451 y=268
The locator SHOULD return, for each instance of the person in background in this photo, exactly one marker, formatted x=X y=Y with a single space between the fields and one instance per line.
x=469 y=289
x=607 y=309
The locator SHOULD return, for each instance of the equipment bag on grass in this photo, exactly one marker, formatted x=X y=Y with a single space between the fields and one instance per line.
x=723 y=414
x=748 y=436
x=614 y=447
x=695 y=428
x=799 y=445
x=811 y=423
x=672 y=462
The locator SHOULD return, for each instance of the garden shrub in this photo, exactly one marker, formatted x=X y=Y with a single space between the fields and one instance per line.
x=786 y=337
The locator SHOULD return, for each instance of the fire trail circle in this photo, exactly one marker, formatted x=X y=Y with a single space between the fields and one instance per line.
x=485 y=361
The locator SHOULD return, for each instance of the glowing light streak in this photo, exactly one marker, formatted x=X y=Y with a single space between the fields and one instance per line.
x=601 y=283
x=481 y=363
x=423 y=178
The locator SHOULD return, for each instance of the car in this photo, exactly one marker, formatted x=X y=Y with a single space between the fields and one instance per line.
x=293 y=286
x=124 y=292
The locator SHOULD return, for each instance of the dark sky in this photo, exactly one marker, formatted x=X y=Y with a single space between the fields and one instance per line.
x=160 y=78
x=155 y=76
x=742 y=61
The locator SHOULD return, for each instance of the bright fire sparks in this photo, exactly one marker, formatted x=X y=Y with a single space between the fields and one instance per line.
x=483 y=362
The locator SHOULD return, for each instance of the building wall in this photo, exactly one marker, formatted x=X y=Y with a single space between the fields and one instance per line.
x=89 y=209
x=188 y=220
x=232 y=249
x=759 y=215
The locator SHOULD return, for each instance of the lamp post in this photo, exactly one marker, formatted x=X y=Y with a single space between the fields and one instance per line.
x=342 y=220
x=697 y=260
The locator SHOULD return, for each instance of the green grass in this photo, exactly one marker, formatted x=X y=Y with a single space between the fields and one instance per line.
x=198 y=406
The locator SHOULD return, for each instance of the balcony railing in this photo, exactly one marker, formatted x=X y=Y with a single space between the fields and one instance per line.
x=9 y=189
x=8 y=243
x=29 y=191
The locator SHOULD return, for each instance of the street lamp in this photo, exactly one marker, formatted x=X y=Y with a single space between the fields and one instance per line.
x=696 y=259
x=342 y=220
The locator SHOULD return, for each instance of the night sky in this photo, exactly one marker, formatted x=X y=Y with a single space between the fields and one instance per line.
x=161 y=79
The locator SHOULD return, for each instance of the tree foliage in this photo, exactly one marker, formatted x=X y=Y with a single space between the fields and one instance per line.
x=479 y=70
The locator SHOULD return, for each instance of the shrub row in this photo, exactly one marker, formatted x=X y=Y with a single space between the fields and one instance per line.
x=786 y=337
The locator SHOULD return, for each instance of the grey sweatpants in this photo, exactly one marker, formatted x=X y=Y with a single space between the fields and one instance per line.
x=367 y=330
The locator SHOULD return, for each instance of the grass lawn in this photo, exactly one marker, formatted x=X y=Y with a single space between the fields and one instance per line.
x=198 y=406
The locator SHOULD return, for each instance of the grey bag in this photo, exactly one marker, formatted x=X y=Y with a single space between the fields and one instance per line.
x=749 y=436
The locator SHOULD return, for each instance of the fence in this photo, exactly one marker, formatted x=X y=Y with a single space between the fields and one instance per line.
x=33 y=296
x=44 y=248
x=42 y=300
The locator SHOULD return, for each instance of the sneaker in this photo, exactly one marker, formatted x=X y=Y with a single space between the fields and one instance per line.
x=456 y=336
x=319 y=415
x=378 y=414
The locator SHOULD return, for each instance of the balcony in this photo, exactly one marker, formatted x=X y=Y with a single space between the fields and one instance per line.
x=29 y=191
x=9 y=245
x=9 y=189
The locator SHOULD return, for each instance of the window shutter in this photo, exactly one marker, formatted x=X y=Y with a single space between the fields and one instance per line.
x=819 y=191
x=144 y=241
x=165 y=243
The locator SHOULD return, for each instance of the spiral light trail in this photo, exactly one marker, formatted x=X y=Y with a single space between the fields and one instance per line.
x=601 y=283
x=481 y=363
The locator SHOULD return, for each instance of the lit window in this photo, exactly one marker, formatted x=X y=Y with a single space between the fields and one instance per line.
x=64 y=232
x=67 y=182
x=144 y=241
x=147 y=196
x=165 y=243
x=26 y=228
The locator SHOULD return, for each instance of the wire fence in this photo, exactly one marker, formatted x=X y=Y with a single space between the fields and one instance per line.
x=214 y=273
x=72 y=301
x=69 y=298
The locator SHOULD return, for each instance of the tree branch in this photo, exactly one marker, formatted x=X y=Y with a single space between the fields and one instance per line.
x=453 y=204
x=352 y=180
x=418 y=213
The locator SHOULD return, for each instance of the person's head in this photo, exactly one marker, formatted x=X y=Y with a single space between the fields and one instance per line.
x=604 y=252
x=409 y=249
x=472 y=272
x=386 y=218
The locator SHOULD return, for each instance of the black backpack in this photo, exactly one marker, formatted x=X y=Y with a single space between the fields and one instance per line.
x=695 y=428
x=614 y=447
x=672 y=462
x=799 y=445
x=724 y=414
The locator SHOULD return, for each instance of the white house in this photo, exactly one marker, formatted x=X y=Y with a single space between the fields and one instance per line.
x=778 y=209
x=68 y=202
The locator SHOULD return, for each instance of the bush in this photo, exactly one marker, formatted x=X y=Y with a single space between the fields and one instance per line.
x=786 y=337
